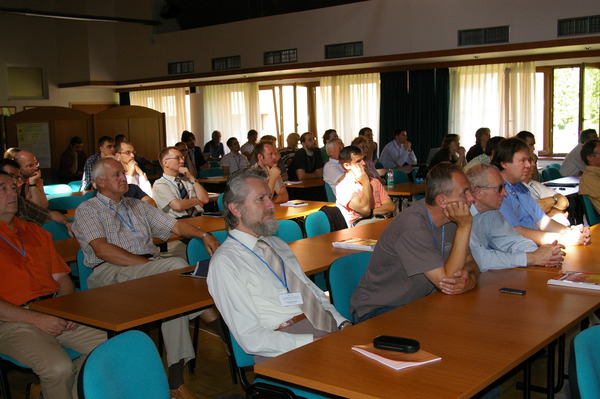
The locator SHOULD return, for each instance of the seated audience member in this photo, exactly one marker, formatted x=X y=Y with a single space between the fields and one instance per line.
x=32 y=270
x=307 y=162
x=288 y=152
x=177 y=192
x=360 y=199
x=32 y=174
x=361 y=142
x=329 y=134
x=27 y=210
x=214 y=150
x=134 y=191
x=248 y=147
x=486 y=157
x=234 y=161
x=333 y=172
x=590 y=180
x=529 y=138
x=135 y=175
x=195 y=152
x=372 y=154
x=573 y=165
x=520 y=209
x=252 y=274
x=266 y=159
x=187 y=161
x=71 y=161
x=398 y=153
x=482 y=135
x=115 y=235
x=11 y=153
x=451 y=151
x=494 y=243
x=106 y=147
x=552 y=203
x=424 y=249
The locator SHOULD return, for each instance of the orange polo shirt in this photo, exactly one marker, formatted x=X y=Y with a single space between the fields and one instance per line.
x=23 y=278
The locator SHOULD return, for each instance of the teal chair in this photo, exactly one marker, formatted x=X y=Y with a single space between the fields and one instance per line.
x=7 y=362
x=220 y=202
x=126 y=366
x=265 y=388
x=316 y=224
x=587 y=362
x=196 y=251
x=344 y=276
x=210 y=172
x=57 y=189
x=289 y=231
x=57 y=230
x=400 y=176
x=590 y=212
x=75 y=185
x=554 y=165
x=329 y=193
x=88 y=195
x=378 y=165
x=550 y=173
x=214 y=164
x=70 y=202
x=83 y=271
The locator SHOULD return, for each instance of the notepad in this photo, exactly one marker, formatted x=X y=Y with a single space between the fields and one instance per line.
x=295 y=203
x=359 y=244
x=589 y=281
x=396 y=360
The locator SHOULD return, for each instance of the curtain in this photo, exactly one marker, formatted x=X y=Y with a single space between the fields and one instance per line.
x=499 y=96
x=232 y=109
x=349 y=103
x=418 y=102
x=172 y=103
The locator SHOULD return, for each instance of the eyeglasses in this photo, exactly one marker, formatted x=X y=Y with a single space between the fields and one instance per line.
x=32 y=165
x=127 y=152
x=499 y=188
x=181 y=158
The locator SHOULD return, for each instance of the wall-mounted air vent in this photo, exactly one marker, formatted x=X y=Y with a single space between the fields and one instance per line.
x=180 y=67
x=474 y=37
x=281 y=56
x=218 y=64
x=354 y=49
x=579 y=26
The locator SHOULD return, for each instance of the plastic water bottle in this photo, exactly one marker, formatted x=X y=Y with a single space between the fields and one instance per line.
x=390 y=179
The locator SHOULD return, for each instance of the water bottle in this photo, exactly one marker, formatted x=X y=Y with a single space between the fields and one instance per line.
x=390 y=179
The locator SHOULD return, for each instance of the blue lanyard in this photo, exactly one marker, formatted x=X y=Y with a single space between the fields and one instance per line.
x=22 y=250
x=284 y=281
x=433 y=235
x=130 y=224
x=174 y=185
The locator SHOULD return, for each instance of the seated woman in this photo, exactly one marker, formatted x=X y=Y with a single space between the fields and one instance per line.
x=451 y=151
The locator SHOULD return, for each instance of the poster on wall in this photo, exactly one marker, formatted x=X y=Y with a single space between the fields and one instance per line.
x=35 y=137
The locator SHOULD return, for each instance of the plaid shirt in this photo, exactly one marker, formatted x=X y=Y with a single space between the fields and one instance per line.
x=31 y=212
x=130 y=224
x=86 y=180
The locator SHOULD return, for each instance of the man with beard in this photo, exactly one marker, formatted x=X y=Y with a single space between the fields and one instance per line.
x=520 y=209
x=265 y=298
x=307 y=162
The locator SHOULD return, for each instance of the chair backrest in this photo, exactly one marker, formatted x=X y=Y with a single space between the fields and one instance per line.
x=57 y=230
x=88 y=195
x=344 y=275
x=70 y=202
x=550 y=173
x=289 y=231
x=57 y=189
x=196 y=250
x=590 y=212
x=317 y=223
x=214 y=164
x=587 y=361
x=554 y=165
x=220 y=202
x=329 y=193
x=83 y=271
x=400 y=176
x=210 y=172
x=378 y=165
x=126 y=366
x=75 y=185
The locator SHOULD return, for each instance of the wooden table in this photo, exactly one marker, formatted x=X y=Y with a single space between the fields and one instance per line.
x=480 y=336
x=406 y=189
x=213 y=180
x=67 y=248
x=126 y=305
x=307 y=183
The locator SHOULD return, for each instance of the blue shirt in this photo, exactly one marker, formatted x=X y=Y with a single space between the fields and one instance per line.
x=519 y=208
x=394 y=156
x=496 y=245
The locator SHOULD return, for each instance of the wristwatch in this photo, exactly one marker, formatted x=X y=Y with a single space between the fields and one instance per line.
x=205 y=234
x=555 y=199
x=342 y=324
